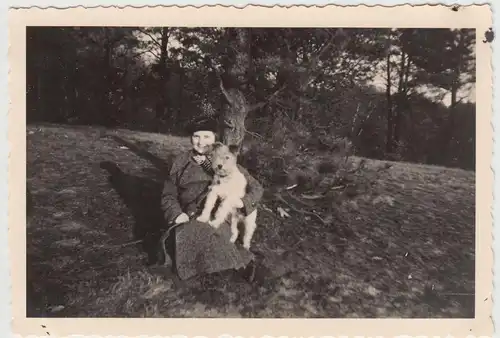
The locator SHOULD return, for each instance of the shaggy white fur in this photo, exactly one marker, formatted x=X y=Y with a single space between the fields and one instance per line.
x=228 y=185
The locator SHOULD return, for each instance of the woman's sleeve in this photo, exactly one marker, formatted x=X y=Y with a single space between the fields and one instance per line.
x=169 y=197
x=254 y=194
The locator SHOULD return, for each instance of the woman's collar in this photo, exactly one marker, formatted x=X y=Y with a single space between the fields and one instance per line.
x=194 y=153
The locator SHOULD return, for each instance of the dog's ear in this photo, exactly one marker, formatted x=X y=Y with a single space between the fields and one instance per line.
x=233 y=148
x=217 y=145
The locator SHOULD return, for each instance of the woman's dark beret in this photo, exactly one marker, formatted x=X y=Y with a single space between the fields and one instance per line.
x=203 y=123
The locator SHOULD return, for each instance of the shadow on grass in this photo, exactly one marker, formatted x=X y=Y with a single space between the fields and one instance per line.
x=142 y=195
x=159 y=163
x=143 y=198
x=81 y=125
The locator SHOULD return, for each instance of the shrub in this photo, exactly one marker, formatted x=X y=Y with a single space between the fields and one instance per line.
x=293 y=156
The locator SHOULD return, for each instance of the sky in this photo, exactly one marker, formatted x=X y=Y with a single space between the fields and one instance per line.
x=468 y=93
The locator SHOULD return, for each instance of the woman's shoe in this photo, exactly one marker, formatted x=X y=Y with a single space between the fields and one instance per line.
x=248 y=272
x=163 y=258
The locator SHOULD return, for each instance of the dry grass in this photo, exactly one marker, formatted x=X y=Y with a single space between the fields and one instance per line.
x=399 y=244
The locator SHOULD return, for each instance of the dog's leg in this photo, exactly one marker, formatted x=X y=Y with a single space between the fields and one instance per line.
x=250 y=226
x=209 y=205
x=234 y=227
x=220 y=216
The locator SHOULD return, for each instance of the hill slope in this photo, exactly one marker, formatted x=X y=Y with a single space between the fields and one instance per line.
x=404 y=248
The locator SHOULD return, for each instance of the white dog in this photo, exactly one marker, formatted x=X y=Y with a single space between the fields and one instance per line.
x=228 y=185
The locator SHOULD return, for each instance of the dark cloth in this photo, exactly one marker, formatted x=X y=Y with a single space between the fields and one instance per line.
x=206 y=123
x=200 y=249
x=207 y=165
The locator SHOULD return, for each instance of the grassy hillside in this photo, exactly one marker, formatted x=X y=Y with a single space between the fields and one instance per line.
x=402 y=248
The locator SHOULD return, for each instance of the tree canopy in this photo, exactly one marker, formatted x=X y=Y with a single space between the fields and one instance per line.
x=393 y=93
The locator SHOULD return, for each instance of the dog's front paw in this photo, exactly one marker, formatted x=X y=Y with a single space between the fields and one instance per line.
x=238 y=203
x=202 y=218
x=214 y=224
x=233 y=238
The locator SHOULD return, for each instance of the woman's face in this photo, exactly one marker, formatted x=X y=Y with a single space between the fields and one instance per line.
x=202 y=140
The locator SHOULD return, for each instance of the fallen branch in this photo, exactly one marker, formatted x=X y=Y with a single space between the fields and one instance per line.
x=120 y=245
x=320 y=196
x=312 y=197
x=303 y=212
x=295 y=198
x=271 y=213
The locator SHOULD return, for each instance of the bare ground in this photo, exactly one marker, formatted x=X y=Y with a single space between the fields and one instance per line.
x=404 y=247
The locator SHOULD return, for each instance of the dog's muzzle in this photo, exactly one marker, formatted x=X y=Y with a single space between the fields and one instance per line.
x=220 y=173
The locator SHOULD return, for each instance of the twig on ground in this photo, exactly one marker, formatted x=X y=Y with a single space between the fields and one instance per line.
x=121 y=245
x=312 y=197
x=270 y=212
x=296 y=244
x=319 y=196
x=303 y=212
x=295 y=198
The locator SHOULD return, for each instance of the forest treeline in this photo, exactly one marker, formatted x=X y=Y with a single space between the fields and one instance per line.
x=300 y=89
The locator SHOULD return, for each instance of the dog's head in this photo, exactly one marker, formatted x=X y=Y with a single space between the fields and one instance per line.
x=224 y=158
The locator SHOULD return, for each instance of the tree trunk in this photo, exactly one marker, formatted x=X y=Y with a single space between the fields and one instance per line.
x=163 y=70
x=180 y=72
x=448 y=137
x=307 y=76
x=390 y=124
x=402 y=68
x=233 y=84
x=71 y=69
x=401 y=97
x=106 y=114
x=284 y=76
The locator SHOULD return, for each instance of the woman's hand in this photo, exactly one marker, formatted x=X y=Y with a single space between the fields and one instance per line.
x=182 y=218
x=238 y=203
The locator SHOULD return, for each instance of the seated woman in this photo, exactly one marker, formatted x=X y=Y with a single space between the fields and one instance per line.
x=196 y=248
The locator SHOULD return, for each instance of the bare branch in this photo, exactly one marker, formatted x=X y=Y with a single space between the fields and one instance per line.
x=269 y=99
x=314 y=62
x=153 y=53
x=141 y=53
x=151 y=36
x=233 y=96
x=254 y=134
x=230 y=124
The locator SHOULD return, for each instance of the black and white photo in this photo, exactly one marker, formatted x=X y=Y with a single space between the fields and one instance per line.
x=255 y=171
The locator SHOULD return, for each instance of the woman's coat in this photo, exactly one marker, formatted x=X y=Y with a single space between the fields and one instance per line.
x=199 y=248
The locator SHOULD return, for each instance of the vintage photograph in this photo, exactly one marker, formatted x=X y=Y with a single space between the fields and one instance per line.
x=250 y=172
